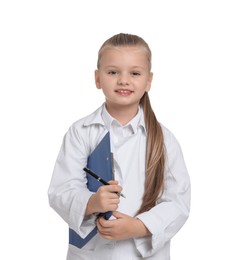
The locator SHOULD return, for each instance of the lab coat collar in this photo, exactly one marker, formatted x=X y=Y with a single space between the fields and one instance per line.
x=102 y=117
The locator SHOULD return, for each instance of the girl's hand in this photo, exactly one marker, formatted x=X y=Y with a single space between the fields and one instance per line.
x=105 y=199
x=123 y=227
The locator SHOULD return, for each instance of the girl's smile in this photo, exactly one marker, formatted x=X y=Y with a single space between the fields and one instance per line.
x=124 y=92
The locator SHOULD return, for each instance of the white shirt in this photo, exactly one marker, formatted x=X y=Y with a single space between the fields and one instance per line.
x=128 y=145
x=68 y=194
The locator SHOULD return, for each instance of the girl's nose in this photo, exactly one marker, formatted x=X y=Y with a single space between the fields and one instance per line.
x=123 y=80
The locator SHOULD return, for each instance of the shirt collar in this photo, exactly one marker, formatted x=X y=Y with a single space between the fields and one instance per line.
x=95 y=118
x=137 y=121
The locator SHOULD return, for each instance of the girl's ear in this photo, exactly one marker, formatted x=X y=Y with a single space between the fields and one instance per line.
x=97 y=79
x=148 y=86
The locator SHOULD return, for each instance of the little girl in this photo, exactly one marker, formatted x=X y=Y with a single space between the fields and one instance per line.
x=146 y=162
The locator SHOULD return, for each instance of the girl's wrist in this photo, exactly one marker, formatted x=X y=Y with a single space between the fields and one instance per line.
x=141 y=229
x=89 y=208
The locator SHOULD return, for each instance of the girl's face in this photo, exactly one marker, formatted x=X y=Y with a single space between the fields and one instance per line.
x=123 y=76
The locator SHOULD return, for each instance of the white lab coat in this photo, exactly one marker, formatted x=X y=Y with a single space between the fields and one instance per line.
x=68 y=195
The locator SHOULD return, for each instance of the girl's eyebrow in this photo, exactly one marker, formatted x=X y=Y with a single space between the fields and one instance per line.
x=110 y=67
x=138 y=67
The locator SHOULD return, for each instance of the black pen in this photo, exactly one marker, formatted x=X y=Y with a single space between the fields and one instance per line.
x=98 y=178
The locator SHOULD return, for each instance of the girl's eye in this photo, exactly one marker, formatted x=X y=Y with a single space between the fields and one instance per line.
x=112 y=72
x=135 y=73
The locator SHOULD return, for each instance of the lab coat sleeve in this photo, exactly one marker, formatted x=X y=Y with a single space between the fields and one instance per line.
x=172 y=208
x=68 y=193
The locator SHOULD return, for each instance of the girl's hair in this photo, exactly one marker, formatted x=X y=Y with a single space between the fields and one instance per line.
x=155 y=150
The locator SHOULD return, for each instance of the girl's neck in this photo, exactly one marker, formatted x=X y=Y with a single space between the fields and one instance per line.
x=122 y=114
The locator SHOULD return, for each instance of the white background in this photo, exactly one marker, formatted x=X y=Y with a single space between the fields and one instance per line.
x=48 y=53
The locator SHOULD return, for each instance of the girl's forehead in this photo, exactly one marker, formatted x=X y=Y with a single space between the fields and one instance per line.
x=135 y=49
x=125 y=55
x=131 y=52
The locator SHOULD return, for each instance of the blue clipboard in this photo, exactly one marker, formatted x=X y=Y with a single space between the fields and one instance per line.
x=100 y=161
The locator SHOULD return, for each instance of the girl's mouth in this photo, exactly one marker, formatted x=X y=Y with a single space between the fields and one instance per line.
x=124 y=92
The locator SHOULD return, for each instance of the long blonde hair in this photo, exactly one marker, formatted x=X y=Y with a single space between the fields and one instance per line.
x=155 y=149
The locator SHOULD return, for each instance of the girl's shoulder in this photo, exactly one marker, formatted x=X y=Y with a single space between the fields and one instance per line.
x=170 y=139
x=88 y=130
x=90 y=119
x=167 y=133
